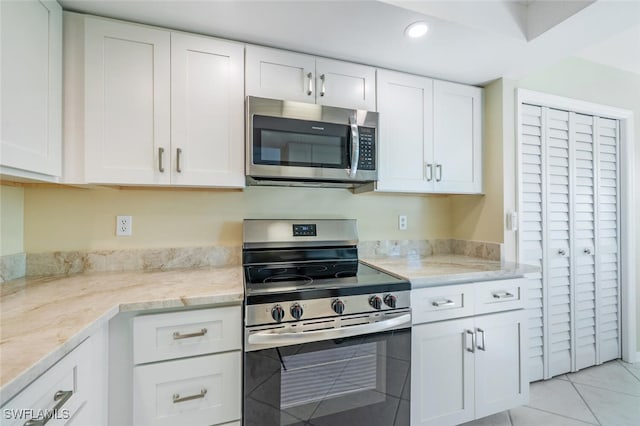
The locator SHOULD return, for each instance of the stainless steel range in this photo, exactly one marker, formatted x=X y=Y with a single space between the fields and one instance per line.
x=327 y=338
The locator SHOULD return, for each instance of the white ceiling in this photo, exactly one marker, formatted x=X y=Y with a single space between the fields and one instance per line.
x=469 y=41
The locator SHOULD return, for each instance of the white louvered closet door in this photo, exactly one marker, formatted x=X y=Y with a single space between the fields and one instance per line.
x=559 y=274
x=608 y=237
x=569 y=227
x=532 y=224
x=583 y=256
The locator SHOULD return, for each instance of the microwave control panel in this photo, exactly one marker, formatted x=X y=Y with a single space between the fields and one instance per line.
x=367 y=159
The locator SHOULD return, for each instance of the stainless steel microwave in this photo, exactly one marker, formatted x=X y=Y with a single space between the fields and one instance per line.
x=299 y=144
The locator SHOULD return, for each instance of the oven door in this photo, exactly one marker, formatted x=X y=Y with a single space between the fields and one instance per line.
x=360 y=380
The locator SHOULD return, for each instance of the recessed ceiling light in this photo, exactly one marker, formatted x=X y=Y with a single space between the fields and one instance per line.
x=417 y=29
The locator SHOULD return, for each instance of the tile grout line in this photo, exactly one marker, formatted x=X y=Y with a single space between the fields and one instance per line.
x=630 y=372
x=510 y=419
x=566 y=417
x=585 y=402
x=605 y=389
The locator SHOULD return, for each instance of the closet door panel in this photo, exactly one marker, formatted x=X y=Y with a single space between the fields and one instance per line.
x=584 y=241
x=607 y=250
x=531 y=231
x=559 y=271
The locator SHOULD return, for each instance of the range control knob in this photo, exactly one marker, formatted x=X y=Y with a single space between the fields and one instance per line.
x=296 y=311
x=337 y=306
x=375 y=302
x=390 y=300
x=277 y=313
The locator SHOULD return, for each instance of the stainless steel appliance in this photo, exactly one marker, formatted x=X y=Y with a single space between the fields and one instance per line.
x=327 y=338
x=299 y=144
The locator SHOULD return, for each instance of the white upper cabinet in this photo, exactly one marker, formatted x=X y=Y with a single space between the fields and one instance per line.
x=207 y=111
x=279 y=74
x=405 y=104
x=430 y=135
x=273 y=73
x=457 y=135
x=127 y=103
x=156 y=107
x=31 y=89
x=344 y=84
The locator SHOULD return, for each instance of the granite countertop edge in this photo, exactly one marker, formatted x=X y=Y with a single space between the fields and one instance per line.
x=214 y=297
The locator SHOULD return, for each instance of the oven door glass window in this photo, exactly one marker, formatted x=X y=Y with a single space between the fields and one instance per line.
x=355 y=381
x=287 y=142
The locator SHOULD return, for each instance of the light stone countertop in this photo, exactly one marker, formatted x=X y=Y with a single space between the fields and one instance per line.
x=440 y=270
x=43 y=319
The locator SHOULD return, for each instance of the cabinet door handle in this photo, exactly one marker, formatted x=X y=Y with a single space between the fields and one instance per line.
x=177 y=398
x=428 y=171
x=502 y=295
x=322 y=89
x=587 y=251
x=61 y=397
x=160 y=156
x=484 y=345
x=178 y=156
x=438 y=172
x=473 y=341
x=441 y=303
x=310 y=89
x=178 y=336
x=562 y=252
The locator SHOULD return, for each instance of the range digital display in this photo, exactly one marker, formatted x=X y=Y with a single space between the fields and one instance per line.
x=304 y=230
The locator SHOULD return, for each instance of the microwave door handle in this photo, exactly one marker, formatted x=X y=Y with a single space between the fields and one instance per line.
x=355 y=146
x=283 y=339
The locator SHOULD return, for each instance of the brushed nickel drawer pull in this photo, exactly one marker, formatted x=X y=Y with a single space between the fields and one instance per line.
x=441 y=303
x=484 y=345
x=61 y=397
x=178 y=155
x=177 y=398
x=160 y=155
x=473 y=341
x=502 y=295
x=178 y=336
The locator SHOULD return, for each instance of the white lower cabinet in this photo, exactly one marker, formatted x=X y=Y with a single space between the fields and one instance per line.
x=470 y=367
x=75 y=386
x=194 y=391
x=186 y=368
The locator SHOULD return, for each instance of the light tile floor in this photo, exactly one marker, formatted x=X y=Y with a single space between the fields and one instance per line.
x=608 y=395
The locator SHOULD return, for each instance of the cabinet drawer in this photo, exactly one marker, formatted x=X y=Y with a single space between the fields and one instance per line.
x=196 y=391
x=440 y=303
x=180 y=334
x=66 y=386
x=501 y=295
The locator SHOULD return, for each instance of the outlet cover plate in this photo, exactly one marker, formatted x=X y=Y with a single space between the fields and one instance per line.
x=123 y=225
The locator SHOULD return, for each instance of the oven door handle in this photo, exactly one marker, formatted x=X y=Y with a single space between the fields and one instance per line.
x=284 y=339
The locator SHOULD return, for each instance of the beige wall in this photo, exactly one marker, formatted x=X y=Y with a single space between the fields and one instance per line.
x=11 y=220
x=479 y=218
x=78 y=219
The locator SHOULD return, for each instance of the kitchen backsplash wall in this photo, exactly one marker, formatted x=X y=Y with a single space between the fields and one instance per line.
x=77 y=219
x=73 y=262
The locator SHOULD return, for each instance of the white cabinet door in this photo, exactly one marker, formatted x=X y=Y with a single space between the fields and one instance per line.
x=272 y=73
x=31 y=87
x=207 y=112
x=345 y=85
x=405 y=153
x=501 y=374
x=127 y=103
x=198 y=391
x=442 y=373
x=457 y=137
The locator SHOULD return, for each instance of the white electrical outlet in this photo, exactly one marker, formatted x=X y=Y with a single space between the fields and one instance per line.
x=402 y=222
x=123 y=225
